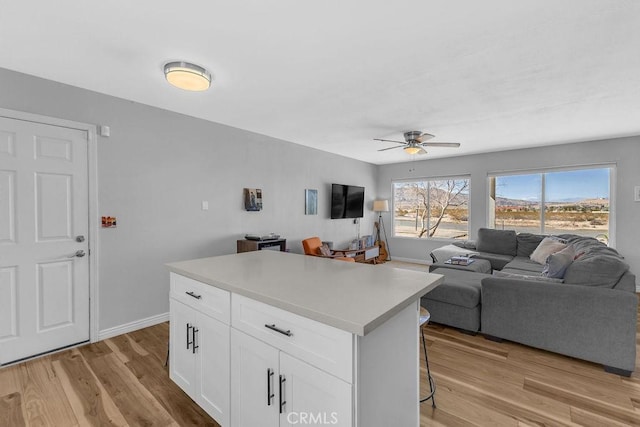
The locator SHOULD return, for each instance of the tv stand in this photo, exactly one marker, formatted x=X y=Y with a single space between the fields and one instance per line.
x=368 y=255
x=246 y=245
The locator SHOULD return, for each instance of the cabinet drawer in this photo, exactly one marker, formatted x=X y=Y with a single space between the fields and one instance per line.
x=320 y=345
x=208 y=299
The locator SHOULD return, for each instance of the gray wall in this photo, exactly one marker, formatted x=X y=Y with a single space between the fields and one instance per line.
x=624 y=152
x=156 y=169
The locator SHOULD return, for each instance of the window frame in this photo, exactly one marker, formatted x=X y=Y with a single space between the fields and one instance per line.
x=612 y=191
x=428 y=179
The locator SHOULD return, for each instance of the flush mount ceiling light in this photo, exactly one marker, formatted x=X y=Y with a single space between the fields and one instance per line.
x=187 y=76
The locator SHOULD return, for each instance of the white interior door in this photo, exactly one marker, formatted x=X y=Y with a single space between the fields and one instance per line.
x=44 y=262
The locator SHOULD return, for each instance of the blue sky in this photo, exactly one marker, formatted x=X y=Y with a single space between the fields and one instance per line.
x=580 y=184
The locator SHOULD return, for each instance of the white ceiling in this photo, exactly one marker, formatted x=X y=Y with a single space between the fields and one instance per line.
x=491 y=74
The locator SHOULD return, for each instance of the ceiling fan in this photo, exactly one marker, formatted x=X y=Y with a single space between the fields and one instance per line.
x=415 y=142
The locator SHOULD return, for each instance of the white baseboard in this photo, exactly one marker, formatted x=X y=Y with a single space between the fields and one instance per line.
x=415 y=261
x=133 y=326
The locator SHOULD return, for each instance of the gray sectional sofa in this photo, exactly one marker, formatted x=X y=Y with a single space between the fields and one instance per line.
x=590 y=313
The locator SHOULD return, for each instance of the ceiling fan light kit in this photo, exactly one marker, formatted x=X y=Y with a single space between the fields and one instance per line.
x=415 y=142
x=412 y=149
x=187 y=76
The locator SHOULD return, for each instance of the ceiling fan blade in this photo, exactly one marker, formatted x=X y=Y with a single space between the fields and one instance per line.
x=389 y=140
x=441 y=144
x=390 y=148
x=425 y=137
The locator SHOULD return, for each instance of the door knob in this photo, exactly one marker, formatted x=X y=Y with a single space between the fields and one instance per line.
x=80 y=239
x=79 y=254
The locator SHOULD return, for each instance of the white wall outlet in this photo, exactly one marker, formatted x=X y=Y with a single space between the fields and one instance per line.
x=205 y=205
x=636 y=193
x=105 y=131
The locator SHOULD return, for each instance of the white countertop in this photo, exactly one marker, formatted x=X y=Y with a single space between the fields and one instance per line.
x=353 y=297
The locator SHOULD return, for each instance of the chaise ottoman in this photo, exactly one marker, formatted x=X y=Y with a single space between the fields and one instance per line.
x=456 y=302
x=478 y=265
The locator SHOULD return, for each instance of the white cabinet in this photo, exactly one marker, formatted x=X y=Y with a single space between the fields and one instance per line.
x=249 y=364
x=255 y=376
x=312 y=396
x=199 y=349
x=270 y=388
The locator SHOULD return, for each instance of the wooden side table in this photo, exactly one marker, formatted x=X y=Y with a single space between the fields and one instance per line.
x=246 y=245
x=369 y=254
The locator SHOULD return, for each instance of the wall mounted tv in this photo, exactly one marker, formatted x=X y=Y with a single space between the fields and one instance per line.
x=347 y=201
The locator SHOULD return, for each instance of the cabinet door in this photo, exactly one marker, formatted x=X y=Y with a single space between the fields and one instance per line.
x=182 y=361
x=212 y=341
x=313 y=397
x=254 y=382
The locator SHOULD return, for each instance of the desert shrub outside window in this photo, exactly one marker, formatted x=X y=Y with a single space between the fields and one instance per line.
x=575 y=201
x=431 y=208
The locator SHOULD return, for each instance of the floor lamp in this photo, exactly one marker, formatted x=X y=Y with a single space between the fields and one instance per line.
x=382 y=206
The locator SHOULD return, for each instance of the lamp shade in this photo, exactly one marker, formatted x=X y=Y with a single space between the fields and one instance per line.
x=381 y=205
x=187 y=76
x=412 y=149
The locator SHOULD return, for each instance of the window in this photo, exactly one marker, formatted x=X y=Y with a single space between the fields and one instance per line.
x=575 y=201
x=431 y=208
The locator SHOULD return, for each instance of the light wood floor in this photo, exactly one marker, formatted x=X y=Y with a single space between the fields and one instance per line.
x=122 y=381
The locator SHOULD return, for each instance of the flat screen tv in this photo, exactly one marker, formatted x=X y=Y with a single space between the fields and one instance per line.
x=347 y=201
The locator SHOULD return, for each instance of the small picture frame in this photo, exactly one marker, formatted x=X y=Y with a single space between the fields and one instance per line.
x=636 y=193
x=310 y=202
x=253 y=199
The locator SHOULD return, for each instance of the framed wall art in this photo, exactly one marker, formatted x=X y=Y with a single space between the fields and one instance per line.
x=310 y=202
x=252 y=199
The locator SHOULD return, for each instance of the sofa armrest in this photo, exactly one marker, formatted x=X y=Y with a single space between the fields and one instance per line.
x=590 y=323
x=467 y=244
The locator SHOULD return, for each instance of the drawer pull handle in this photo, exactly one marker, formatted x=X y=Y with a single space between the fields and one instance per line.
x=270 y=395
x=191 y=294
x=282 y=401
x=282 y=331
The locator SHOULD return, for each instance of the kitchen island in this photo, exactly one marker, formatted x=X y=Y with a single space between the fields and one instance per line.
x=275 y=339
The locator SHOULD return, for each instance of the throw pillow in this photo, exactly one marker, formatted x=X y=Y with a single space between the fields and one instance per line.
x=499 y=273
x=547 y=247
x=557 y=263
x=324 y=250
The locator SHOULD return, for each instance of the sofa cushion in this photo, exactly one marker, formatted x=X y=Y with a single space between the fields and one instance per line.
x=502 y=242
x=459 y=287
x=527 y=243
x=557 y=263
x=445 y=252
x=524 y=264
x=497 y=261
x=596 y=268
x=537 y=278
x=547 y=247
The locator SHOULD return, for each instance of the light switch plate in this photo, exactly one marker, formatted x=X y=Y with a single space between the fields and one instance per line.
x=205 y=205
x=636 y=193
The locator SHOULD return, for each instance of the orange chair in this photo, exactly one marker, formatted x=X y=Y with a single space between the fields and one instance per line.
x=312 y=245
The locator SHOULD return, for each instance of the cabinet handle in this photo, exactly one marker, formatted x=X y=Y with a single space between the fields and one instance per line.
x=282 y=331
x=270 y=395
x=191 y=294
x=195 y=331
x=282 y=401
x=188 y=330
